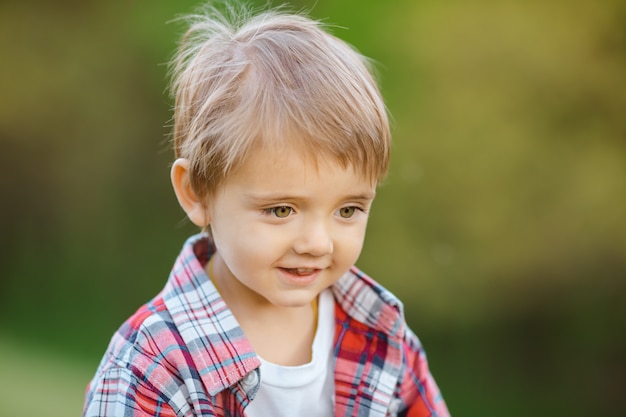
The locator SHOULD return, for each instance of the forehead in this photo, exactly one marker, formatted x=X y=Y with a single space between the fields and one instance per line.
x=288 y=168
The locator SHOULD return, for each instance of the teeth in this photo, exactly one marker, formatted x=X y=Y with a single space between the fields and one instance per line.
x=302 y=270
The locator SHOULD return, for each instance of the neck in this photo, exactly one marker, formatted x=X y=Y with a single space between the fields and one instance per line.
x=281 y=335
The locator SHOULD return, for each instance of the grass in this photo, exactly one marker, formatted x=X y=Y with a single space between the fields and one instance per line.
x=36 y=382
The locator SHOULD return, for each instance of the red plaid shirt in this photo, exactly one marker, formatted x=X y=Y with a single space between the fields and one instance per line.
x=184 y=354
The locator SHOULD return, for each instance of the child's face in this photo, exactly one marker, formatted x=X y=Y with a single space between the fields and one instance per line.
x=286 y=228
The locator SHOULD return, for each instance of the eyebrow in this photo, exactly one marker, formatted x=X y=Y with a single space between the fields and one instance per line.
x=276 y=197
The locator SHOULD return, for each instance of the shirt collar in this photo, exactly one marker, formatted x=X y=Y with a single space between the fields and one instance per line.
x=216 y=343
x=369 y=303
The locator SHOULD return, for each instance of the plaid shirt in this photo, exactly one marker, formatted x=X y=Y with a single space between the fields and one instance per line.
x=184 y=354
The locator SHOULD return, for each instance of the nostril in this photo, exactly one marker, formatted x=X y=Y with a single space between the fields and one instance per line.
x=315 y=247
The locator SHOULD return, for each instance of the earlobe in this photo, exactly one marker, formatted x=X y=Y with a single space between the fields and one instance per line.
x=187 y=198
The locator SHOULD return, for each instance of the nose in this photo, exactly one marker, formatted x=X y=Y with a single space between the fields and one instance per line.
x=314 y=238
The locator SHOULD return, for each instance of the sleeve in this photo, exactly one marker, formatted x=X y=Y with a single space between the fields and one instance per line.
x=118 y=392
x=418 y=389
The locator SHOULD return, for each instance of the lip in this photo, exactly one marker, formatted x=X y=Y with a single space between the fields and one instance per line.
x=300 y=276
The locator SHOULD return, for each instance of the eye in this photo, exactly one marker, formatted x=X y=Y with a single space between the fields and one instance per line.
x=347 y=212
x=281 y=211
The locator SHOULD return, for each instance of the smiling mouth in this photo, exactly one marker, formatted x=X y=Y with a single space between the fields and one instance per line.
x=301 y=271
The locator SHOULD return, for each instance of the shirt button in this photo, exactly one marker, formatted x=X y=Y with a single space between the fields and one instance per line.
x=394 y=406
x=250 y=380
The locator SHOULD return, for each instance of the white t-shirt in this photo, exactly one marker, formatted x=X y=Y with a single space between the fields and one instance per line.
x=304 y=390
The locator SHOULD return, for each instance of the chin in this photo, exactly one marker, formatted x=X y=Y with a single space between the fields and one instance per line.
x=296 y=301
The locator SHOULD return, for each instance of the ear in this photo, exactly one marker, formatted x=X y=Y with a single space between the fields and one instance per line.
x=185 y=194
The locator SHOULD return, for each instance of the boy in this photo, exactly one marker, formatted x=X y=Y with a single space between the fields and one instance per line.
x=281 y=138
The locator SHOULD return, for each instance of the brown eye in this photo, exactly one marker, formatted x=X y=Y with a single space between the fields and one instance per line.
x=347 y=212
x=282 y=211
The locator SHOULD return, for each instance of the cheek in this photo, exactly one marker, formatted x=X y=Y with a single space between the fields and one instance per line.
x=350 y=245
x=245 y=245
x=356 y=248
x=229 y=228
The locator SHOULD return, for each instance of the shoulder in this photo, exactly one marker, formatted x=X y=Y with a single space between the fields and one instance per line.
x=365 y=305
x=147 y=332
x=142 y=367
x=148 y=338
x=370 y=303
x=360 y=298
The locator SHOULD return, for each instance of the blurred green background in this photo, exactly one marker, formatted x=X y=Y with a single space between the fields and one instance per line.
x=502 y=224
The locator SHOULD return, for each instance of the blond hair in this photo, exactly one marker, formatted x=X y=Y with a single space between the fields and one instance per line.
x=243 y=80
